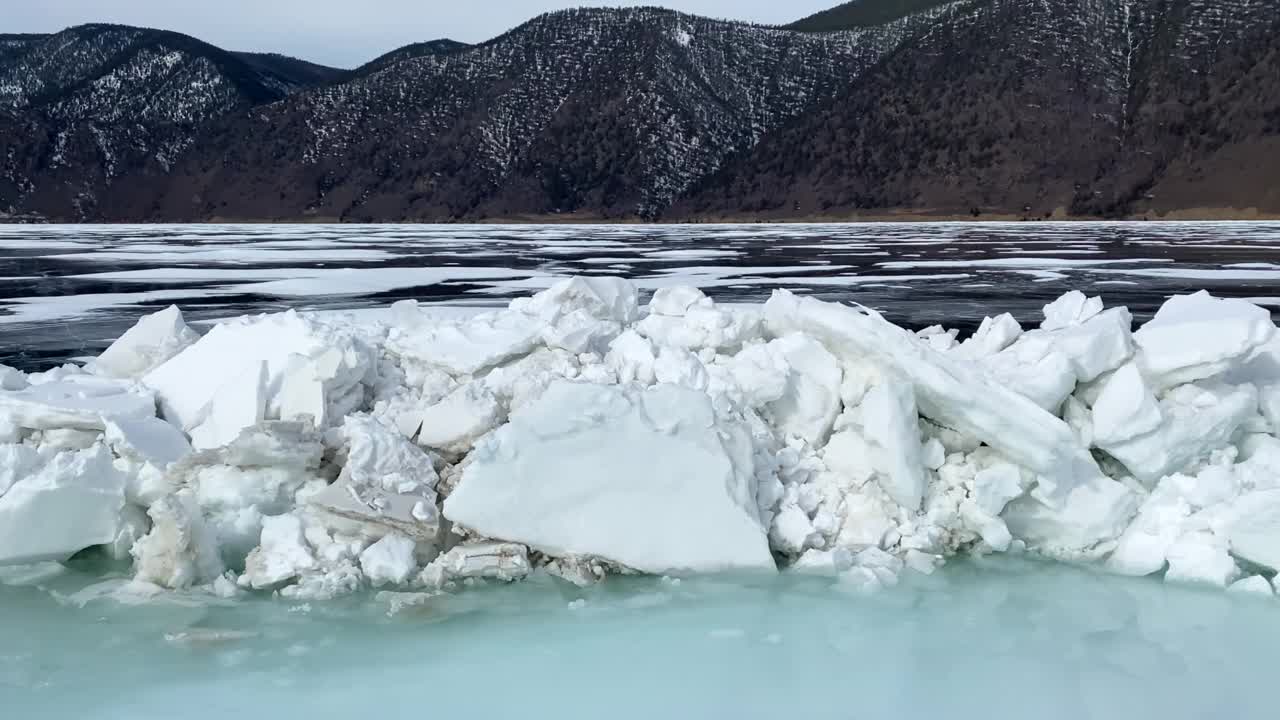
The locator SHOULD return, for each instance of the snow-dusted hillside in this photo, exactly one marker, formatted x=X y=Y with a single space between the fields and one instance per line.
x=1033 y=108
x=96 y=102
x=593 y=110
x=644 y=112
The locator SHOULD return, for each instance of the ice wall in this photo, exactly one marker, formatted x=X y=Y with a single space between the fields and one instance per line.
x=579 y=433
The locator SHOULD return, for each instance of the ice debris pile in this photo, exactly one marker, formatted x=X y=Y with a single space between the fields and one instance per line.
x=579 y=434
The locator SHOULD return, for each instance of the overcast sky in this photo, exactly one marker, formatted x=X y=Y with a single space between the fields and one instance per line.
x=347 y=33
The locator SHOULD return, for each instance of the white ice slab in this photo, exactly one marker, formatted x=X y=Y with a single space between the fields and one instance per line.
x=187 y=385
x=1194 y=337
x=470 y=345
x=148 y=344
x=71 y=503
x=148 y=440
x=1252 y=525
x=1197 y=419
x=890 y=423
x=236 y=406
x=76 y=402
x=651 y=480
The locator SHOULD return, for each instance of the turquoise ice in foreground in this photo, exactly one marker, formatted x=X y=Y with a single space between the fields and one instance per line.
x=585 y=506
x=995 y=639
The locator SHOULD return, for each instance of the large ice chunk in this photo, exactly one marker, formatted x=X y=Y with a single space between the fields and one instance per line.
x=1096 y=346
x=891 y=425
x=1197 y=418
x=995 y=486
x=77 y=402
x=1262 y=370
x=454 y=424
x=1093 y=513
x=147 y=440
x=1073 y=308
x=993 y=335
x=492 y=561
x=324 y=387
x=1201 y=557
x=468 y=346
x=631 y=358
x=388 y=484
x=17 y=462
x=240 y=403
x=258 y=473
x=281 y=556
x=601 y=298
x=71 y=503
x=1143 y=548
x=760 y=375
x=582 y=314
x=520 y=381
x=579 y=333
x=378 y=456
x=145 y=346
x=1253 y=585
x=652 y=480
x=1125 y=408
x=810 y=400
x=1252 y=525
x=685 y=318
x=1046 y=364
x=374 y=512
x=849 y=455
x=1195 y=337
x=1035 y=368
x=389 y=561
x=951 y=391
x=12 y=379
x=232 y=353
x=180 y=551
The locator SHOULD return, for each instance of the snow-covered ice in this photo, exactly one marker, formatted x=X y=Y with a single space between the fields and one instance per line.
x=579 y=434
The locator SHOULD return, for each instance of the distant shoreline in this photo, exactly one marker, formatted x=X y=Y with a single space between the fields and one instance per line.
x=913 y=216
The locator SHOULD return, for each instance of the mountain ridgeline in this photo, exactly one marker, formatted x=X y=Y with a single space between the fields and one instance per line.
x=1090 y=108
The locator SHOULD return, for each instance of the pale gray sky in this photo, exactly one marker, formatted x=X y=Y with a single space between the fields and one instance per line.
x=347 y=33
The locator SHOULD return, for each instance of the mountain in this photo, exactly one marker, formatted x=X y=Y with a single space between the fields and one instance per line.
x=409 y=52
x=862 y=13
x=1066 y=107
x=98 y=107
x=987 y=107
x=291 y=72
x=612 y=113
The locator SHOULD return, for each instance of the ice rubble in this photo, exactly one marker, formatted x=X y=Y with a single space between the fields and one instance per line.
x=579 y=433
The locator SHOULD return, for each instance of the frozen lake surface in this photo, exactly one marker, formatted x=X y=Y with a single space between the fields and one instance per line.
x=989 y=639
x=1007 y=639
x=68 y=290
